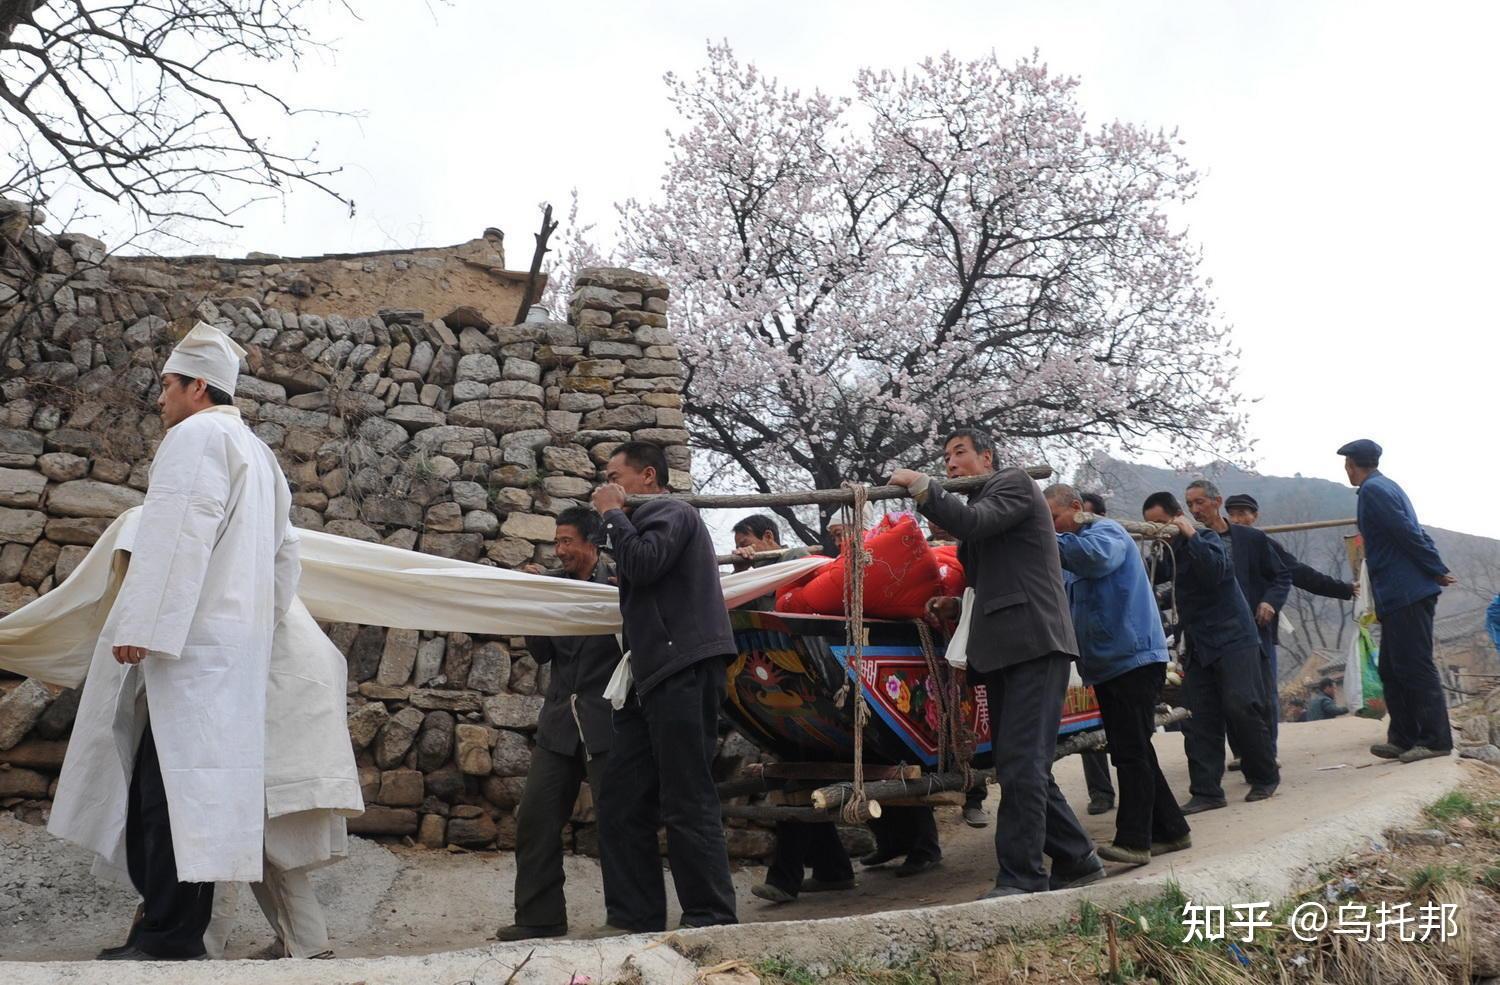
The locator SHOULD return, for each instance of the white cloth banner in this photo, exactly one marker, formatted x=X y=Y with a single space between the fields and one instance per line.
x=345 y=580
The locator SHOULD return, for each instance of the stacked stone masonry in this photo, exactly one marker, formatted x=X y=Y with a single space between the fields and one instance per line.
x=451 y=434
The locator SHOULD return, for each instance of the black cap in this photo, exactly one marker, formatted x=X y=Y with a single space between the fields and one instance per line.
x=1242 y=501
x=1325 y=682
x=1363 y=448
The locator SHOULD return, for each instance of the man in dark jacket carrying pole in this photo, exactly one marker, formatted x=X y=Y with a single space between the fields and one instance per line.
x=1245 y=511
x=573 y=738
x=660 y=769
x=1021 y=646
x=1406 y=577
x=1221 y=670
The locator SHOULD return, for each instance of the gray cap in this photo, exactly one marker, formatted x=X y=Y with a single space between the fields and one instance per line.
x=1363 y=448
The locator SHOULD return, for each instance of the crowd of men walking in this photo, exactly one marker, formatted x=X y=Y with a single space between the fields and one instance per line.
x=1056 y=583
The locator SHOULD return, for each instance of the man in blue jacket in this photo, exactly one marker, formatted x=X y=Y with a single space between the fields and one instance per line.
x=1221 y=669
x=1406 y=577
x=1122 y=654
x=660 y=769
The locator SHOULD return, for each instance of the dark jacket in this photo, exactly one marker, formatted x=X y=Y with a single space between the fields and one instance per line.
x=1008 y=547
x=1261 y=575
x=1404 y=563
x=1213 y=610
x=1310 y=579
x=1114 y=610
x=1321 y=706
x=575 y=706
x=671 y=601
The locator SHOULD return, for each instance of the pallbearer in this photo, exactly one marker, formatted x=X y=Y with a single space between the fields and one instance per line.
x=164 y=776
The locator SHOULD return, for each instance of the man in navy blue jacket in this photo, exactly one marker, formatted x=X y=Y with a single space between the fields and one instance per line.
x=1262 y=577
x=1122 y=655
x=1406 y=577
x=1221 y=673
x=660 y=770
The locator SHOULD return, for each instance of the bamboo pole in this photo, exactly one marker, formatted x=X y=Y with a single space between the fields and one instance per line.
x=821 y=497
x=1166 y=531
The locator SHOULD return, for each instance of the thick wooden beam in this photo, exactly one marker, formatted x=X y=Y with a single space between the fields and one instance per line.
x=820 y=497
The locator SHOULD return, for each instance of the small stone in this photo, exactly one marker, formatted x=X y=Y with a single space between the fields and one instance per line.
x=399 y=658
x=86 y=497
x=523 y=675
x=445 y=783
x=511 y=755
x=530 y=526
x=435 y=699
x=59 y=466
x=511 y=552
x=490 y=669
x=396 y=737
x=40 y=562
x=14 y=595
x=503 y=791
x=379 y=820
x=435 y=741
x=400 y=788
x=24 y=783
x=472 y=749
x=472 y=833
x=432 y=831
x=503 y=416
x=366 y=722
x=19 y=711
x=513 y=711
x=469 y=495
x=429 y=660
x=82 y=530
x=459 y=546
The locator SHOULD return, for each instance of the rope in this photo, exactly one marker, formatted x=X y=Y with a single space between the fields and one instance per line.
x=955 y=737
x=854 y=607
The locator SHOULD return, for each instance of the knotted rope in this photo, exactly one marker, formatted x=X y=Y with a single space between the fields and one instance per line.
x=854 y=606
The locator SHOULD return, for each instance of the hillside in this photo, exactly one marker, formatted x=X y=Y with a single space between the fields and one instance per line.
x=1321 y=623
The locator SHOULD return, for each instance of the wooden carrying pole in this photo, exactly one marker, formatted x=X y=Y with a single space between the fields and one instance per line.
x=1166 y=531
x=821 y=497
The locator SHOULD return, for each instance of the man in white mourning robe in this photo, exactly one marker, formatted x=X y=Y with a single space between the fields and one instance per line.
x=214 y=569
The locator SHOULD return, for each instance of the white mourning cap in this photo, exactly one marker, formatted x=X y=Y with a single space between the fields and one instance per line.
x=205 y=353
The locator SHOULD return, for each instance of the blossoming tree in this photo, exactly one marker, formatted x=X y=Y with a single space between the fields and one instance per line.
x=954 y=245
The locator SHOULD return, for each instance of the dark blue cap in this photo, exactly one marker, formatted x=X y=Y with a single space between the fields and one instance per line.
x=1242 y=501
x=1364 y=448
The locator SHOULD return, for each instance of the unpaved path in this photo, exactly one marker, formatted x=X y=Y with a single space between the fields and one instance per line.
x=384 y=902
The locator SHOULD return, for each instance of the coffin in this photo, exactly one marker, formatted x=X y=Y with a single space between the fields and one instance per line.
x=788 y=671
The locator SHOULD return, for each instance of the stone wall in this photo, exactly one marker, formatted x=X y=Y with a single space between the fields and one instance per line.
x=452 y=435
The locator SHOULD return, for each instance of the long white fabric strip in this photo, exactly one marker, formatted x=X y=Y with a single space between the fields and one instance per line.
x=345 y=580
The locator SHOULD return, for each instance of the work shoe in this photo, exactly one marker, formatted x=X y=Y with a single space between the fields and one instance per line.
x=827 y=885
x=771 y=894
x=915 y=867
x=1197 y=804
x=1087 y=871
x=1418 y=753
x=133 y=953
x=1130 y=856
x=109 y=952
x=1386 y=750
x=879 y=857
x=1175 y=845
x=1260 y=791
x=1233 y=766
x=975 y=817
x=522 y=932
x=999 y=892
x=1100 y=804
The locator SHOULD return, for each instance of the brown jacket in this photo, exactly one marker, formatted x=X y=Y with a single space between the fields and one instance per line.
x=1008 y=547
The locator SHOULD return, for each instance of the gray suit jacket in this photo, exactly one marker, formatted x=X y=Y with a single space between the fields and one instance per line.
x=1008 y=547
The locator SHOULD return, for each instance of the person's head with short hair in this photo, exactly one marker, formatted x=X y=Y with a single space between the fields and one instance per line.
x=1326 y=685
x=1361 y=460
x=638 y=467
x=577 y=526
x=1297 y=701
x=1205 y=502
x=181 y=397
x=1065 y=503
x=758 y=531
x=968 y=451
x=1093 y=502
x=1161 y=507
x=1243 y=510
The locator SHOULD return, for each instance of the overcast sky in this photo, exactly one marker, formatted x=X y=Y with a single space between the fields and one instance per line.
x=1348 y=207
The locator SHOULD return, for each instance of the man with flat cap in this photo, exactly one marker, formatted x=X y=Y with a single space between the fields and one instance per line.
x=1406 y=577
x=1245 y=511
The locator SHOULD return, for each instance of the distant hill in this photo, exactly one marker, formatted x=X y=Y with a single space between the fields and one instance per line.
x=1322 y=623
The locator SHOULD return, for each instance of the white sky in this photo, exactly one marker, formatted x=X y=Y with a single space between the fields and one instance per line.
x=1348 y=208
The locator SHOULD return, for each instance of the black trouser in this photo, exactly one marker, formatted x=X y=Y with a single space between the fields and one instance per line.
x=660 y=772
x=974 y=796
x=174 y=914
x=1413 y=688
x=1096 y=773
x=1148 y=811
x=907 y=830
x=1226 y=694
x=799 y=845
x=1025 y=703
x=1270 y=688
x=552 y=784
